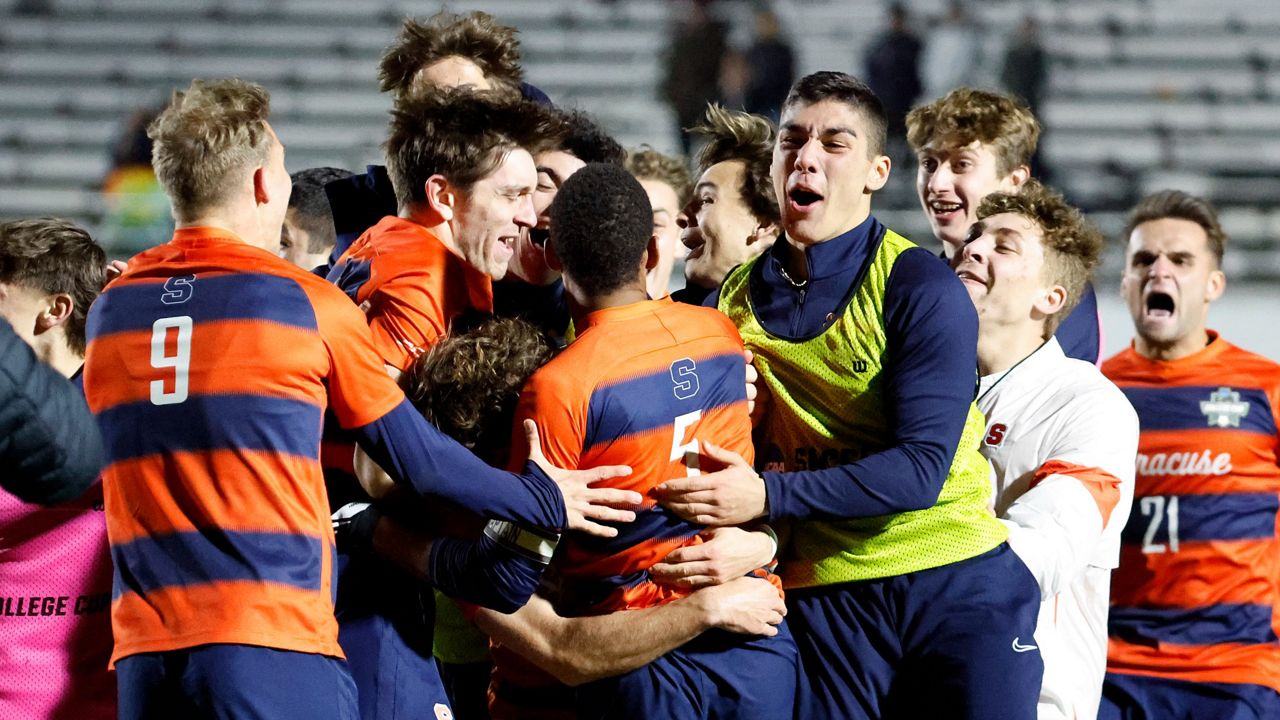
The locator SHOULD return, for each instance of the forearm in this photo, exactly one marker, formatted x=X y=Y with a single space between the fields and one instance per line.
x=434 y=465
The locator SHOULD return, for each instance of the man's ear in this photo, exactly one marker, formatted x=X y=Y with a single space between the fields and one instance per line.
x=57 y=311
x=879 y=173
x=553 y=260
x=261 y=195
x=1052 y=301
x=1018 y=177
x=651 y=253
x=1216 y=286
x=441 y=198
x=764 y=232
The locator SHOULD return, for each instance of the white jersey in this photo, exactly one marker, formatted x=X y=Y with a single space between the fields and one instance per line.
x=1062 y=442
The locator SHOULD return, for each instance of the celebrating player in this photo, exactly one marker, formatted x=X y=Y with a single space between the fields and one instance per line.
x=55 y=638
x=1193 y=601
x=971 y=143
x=209 y=359
x=665 y=180
x=867 y=345
x=732 y=215
x=1060 y=437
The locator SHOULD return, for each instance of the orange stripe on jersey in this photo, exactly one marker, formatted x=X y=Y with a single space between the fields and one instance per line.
x=1198 y=574
x=185 y=491
x=1102 y=485
x=246 y=613
x=1187 y=462
x=1227 y=663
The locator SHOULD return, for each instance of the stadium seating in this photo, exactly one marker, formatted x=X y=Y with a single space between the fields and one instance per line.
x=1143 y=92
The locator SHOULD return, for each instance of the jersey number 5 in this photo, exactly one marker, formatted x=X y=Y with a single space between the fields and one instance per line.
x=179 y=361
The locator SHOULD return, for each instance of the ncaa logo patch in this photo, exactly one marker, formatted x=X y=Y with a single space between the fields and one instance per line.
x=1224 y=408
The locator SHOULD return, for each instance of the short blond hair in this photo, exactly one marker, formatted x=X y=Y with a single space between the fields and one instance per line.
x=209 y=133
x=965 y=115
x=645 y=163
x=1072 y=244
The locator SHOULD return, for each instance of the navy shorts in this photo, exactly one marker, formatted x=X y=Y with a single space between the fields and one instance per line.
x=1137 y=697
x=955 y=641
x=235 y=681
x=717 y=675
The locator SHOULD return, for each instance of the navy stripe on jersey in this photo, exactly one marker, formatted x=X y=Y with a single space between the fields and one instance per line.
x=212 y=422
x=350 y=276
x=239 y=296
x=1196 y=407
x=652 y=401
x=214 y=554
x=1212 y=625
x=1235 y=516
x=656 y=523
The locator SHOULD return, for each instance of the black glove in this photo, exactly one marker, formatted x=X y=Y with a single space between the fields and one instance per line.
x=353 y=526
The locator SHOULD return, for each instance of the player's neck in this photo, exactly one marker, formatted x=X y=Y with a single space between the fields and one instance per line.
x=948 y=250
x=1002 y=347
x=582 y=304
x=1177 y=349
x=57 y=354
x=246 y=226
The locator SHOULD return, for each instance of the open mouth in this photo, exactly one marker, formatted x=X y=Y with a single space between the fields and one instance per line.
x=1160 y=305
x=942 y=207
x=803 y=197
x=539 y=236
x=965 y=275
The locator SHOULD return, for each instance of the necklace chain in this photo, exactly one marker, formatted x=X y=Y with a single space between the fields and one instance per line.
x=786 y=276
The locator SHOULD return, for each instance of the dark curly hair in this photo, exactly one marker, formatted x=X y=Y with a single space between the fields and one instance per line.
x=461 y=135
x=468 y=383
x=601 y=222
x=477 y=36
x=586 y=140
x=1180 y=206
x=649 y=164
x=1073 y=246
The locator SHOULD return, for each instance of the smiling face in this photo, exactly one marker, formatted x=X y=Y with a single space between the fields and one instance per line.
x=1002 y=266
x=494 y=212
x=823 y=171
x=1170 y=278
x=952 y=180
x=720 y=230
x=666 y=206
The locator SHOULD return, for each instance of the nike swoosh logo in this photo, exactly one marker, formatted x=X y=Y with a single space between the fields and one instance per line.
x=1019 y=647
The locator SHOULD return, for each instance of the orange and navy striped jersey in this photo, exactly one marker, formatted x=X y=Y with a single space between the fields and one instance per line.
x=642 y=385
x=1198 y=585
x=210 y=364
x=410 y=286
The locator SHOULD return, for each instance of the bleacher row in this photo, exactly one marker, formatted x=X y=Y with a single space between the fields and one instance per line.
x=1144 y=93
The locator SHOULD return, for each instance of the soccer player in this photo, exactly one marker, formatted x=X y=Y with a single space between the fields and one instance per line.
x=445 y=51
x=55 y=629
x=1060 y=437
x=970 y=143
x=212 y=359
x=653 y=382
x=307 y=237
x=665 y=180
x=904 y=597
x=732 y=215
x=1193 y=603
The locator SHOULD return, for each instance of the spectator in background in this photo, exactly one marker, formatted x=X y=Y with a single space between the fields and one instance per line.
x=771 y=66
x=1026 y=75
x=666 y=181
x=693 y=64
x=308 y=237
x=952 y=53
x=893 y=72
x=53 y=652
x=137 y=210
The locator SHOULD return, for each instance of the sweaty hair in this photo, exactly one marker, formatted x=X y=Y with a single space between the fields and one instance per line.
x=209 y=133
x=966 y=115
x=1072 y=245
x=468 y=383
x=461 y=135
x=601 y=221
x=732 y=135
x=845 y=88
x=54 y=256
x=584 y=139
x=645 y=163
x=311 y=205
x=477 y=37
x=1180 y=206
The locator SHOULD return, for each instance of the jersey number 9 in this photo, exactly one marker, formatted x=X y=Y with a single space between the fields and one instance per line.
x=179 y=360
